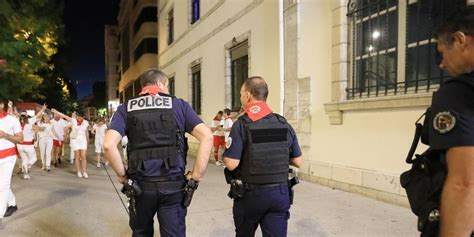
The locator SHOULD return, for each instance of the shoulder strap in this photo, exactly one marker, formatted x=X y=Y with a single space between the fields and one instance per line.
x=416 y=138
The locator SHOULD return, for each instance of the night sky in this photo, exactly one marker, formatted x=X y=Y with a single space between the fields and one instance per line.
x=84 y=22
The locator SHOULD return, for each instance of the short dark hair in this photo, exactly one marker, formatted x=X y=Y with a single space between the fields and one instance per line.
x=220 y=112
x=4 y=102
x=152 y=76
x=23 y=119
x=460 y=20
x=257 y=87
x=227 y=111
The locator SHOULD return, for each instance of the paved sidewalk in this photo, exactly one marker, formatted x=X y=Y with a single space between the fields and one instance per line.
x=60 y=204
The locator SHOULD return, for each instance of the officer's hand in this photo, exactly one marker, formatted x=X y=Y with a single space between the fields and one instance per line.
x=190 y=176
x=122 y=179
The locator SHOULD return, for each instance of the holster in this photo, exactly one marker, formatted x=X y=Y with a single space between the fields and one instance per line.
x=131 y=189
x=237 y=189
x=292 y=182
x=189 y=189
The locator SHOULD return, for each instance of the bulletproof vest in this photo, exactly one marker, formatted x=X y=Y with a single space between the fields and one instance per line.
x=266 y=153
x=152 y=132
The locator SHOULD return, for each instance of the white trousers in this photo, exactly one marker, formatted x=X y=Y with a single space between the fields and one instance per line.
x=46 y=146
x=71 y=154
x=99 y=146
x=27 y=154
x=6 y=195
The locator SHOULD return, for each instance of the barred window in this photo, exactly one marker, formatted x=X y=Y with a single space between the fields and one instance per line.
x=170 y=26
x=376 y=26
x=424 y=16
x=239 y=71
x=171 y=86
x=196 y=88
x=194 y=11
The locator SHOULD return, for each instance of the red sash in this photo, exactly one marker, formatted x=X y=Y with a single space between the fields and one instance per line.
x=8 y=152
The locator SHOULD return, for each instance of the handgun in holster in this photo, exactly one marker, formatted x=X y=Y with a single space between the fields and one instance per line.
x=237 y=188
x=191 y=186
x=131 y=189
x=291 y=183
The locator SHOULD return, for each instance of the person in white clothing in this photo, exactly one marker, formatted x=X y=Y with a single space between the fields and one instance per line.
x=227 y=126
x=67 y=137
x=99 y=129
x=26 y=149
x=10 y=134
x=46 y=134
x=59 y=125
x=79 y=139
x=219 y=141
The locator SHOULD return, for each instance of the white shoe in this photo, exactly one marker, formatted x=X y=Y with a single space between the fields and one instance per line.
x=86 y=176
x=79 y=174
x=71 y=161
x=98 y=165
x=218 y=163
x=25 y=176
x=28 y=176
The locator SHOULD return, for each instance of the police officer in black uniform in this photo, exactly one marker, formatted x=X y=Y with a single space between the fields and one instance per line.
x=259 y=150
x=155 y=123
x=452 y=122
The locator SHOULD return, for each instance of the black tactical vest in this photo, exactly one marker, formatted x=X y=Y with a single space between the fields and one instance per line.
x=152 y=132
x=266 y=153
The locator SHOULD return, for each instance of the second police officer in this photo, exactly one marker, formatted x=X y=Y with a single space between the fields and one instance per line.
x=260 y=148
x=452 y=125
x=155 y=123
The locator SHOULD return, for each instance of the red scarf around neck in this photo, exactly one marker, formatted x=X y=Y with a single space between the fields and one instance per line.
x=152 y=90
x=79 y=121
x=257 y=110
x=3 y=115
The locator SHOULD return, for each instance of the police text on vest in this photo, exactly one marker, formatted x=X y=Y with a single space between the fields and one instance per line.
x=150 y=102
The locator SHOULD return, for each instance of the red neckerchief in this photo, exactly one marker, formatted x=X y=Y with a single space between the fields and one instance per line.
x=23 y=126
x=79 y=121
x=3 y=115
x=152 y=90
x=257 y=110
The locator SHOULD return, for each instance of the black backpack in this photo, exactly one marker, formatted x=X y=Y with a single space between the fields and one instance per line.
x=424 y=182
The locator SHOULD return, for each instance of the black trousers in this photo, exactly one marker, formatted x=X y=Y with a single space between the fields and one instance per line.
x=167 y=205
x=265 y=206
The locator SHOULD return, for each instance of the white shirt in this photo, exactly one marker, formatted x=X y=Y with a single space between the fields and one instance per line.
x=216 y=124
x=99 y=131
x=227 y=124
x=47 y=132
x=59 y=128
x=81 y=130
x=10 y=125
x=28 y=133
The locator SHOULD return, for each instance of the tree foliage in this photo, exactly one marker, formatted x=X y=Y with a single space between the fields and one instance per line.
x=30 y=33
